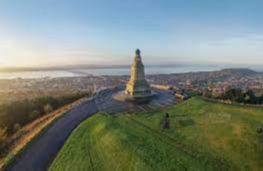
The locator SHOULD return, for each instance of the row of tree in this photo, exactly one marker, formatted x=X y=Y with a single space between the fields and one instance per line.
x=241 y=96
x=238 y=95
x=19 y=113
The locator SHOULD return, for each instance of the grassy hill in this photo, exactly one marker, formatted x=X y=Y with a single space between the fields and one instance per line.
x=203 y=136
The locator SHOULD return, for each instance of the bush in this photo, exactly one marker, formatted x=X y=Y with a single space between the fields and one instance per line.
x=2 y=138
x=48 y=109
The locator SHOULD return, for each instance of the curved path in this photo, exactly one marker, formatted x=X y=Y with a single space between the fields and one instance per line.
x=39 y=155
x=42 y=150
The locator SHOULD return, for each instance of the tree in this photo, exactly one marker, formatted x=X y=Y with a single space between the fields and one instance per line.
x=2 y=138
x=48 y=108
x=234 y=95
x=17 y=127
x=207 y=93
x=250 y=97
x=35 y=114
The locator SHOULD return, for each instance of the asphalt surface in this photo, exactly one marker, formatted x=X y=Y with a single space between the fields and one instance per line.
x=42 y=150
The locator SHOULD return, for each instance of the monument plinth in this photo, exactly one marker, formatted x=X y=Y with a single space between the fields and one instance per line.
x=137 y=88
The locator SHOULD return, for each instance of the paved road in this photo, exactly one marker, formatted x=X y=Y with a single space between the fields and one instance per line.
x=41 y=152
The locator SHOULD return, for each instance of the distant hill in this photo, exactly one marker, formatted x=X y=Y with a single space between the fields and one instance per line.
x=237 y=71
x=228 y=74
x=223 y=74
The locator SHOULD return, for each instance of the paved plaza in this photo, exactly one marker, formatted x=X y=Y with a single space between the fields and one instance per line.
x=106 y=102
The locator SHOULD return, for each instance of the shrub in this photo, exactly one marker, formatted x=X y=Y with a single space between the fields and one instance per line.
x=2 y=139
x=48 y=109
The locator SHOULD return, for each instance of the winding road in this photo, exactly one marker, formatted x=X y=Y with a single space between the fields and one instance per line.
x=41 y=151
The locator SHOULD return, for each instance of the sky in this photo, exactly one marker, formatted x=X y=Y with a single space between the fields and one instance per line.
x=37 y=33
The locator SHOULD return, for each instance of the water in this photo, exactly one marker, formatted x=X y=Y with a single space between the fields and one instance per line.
x=102 y=71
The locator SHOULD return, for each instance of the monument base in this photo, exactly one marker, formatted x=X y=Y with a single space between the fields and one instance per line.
x=122 y=96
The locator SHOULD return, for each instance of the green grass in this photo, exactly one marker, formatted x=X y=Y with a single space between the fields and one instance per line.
x=203 y=136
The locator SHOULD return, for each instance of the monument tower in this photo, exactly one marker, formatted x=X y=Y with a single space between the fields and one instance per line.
x=138 y=87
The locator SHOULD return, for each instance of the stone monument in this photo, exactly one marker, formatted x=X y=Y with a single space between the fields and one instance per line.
x=137 y=95
x=138 y=87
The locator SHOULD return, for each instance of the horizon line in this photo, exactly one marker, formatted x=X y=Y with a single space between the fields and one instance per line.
x=89 y=66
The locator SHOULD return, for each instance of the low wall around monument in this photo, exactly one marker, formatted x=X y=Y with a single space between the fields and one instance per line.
x=161 y=87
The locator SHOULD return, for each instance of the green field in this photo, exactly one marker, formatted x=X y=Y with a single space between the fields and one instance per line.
x=203 y=136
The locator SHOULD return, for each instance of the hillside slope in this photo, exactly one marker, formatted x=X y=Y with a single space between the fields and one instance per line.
x=203 y=136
